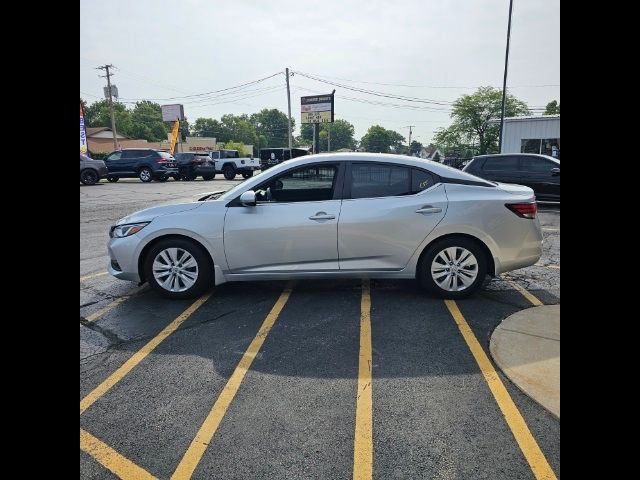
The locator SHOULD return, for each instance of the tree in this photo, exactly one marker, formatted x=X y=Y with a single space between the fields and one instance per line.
x=98 y=114
x=415 y=147
x=231 y=145
x=476 y=119
x=341 y=135
x=240 y=128
x=553 y=108
x=209 y=127
x=379 y=139
x=273 y=125
x=147 y=123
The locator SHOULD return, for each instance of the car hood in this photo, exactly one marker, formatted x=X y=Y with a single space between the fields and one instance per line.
x=149 y=214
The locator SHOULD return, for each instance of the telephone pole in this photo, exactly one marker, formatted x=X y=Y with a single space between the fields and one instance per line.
x=410 y=132
x=113 y=118
x=289 y=105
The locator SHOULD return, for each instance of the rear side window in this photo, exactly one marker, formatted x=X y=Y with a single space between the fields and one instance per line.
x=535 y=164
x=165 y=155
x=421 y=180
x=500 y=163
x=374 y=180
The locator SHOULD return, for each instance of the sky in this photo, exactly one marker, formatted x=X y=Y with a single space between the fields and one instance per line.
x=433 y=51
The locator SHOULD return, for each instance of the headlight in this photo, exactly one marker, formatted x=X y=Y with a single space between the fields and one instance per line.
x=120 y=231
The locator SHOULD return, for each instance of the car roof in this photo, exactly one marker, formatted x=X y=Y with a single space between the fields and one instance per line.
x=518 y=154
x=435 y=167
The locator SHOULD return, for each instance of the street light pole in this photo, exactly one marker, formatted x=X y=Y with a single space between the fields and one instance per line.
x=504 y=83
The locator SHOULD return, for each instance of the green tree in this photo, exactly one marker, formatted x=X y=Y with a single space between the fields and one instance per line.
x=379 y=139
x=98 y=115
x=240 y=128
x=231 y=145
x=553 y=108
x=210 y=127
x=273 y=125
x=474 y=120
x=415 y=147
x=341 y=135
x=147 y=123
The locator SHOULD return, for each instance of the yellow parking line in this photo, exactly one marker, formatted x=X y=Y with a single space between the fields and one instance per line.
x=137 y=357
x=526 y=294
x=550 y=229
x=208 y=429
x=110 y=459
x=113 y=304
x=363 y=442
x=536 y=459
x=553 y=266
x=87 y=277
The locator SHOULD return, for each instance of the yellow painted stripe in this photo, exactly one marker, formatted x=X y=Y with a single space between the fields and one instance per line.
x=554 y=266
x=550 y=229
x=526 y=294
x=140 y=355
x=199 y=444
x=110 y=459
x=87 y=277
x=363 y=442
x=113 y=304
x=537 y=461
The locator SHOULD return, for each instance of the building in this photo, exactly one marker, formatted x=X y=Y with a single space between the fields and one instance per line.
x=433 y=154
x=532 y=135
x=100 y=140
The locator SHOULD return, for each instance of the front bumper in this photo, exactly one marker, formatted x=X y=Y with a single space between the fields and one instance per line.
x=123 y=258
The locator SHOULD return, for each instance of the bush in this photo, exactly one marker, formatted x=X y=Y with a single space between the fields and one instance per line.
x=98 y=155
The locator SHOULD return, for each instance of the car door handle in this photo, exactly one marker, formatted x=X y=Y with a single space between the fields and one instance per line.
x=428 y=209
x=322 y=216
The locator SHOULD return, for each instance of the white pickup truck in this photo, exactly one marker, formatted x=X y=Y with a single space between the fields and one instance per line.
x=230 y=164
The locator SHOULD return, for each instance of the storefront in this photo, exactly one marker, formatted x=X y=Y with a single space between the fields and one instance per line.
x=532 y=135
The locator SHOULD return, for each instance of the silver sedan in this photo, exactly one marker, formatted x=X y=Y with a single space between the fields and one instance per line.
x=335 y=216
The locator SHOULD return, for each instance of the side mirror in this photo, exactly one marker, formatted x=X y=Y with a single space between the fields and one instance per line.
x=248 y=198
x=555 y=171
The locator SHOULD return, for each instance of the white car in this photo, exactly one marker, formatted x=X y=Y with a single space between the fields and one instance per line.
x=333 y=216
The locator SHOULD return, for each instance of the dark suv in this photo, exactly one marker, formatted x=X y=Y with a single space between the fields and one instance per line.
x=540 y=172
x=191 y=165
x=144 y=163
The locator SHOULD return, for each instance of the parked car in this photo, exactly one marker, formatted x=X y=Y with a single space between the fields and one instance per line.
x=144 y=163
x=539 y=172
x=230 y=164
x=192 y=165
x=91 y=171
x=273 y=156
x=335 y=215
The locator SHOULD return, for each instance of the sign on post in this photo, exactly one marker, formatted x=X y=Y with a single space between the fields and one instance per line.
x=172 y=113
x=317 y=109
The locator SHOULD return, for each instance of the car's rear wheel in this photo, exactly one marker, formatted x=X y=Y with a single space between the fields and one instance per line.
x=229 y=172
x=247 y=174
x=176 y=177
x=89 y=176
x=209 y=177
x=178 y=268
x=113 y=179
x=454 y=267
x=145 y=174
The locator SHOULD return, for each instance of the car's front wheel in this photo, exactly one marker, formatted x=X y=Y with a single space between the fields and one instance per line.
x=145 y=174
x=178 y=268
x=247 y=174
x=454 y=267
x=89 y=176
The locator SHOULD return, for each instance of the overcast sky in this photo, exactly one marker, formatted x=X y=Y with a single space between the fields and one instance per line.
x=426 y=49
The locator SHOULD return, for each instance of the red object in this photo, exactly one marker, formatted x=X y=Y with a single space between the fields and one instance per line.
x=524 y=210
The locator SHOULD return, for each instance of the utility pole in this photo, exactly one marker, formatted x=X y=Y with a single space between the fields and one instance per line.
x=504 y=83
x=410 y=132
x=329 y=138
x=113 y=118
x=289 y=105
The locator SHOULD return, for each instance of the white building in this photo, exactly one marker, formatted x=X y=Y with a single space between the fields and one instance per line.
x=532 y=135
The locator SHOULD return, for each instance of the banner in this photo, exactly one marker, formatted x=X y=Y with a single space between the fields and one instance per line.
x=83 y=132
x=174 y=136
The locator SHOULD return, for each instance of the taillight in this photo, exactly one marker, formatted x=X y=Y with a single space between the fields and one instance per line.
x=524 y=210
x=195 y=162
x=161 y=160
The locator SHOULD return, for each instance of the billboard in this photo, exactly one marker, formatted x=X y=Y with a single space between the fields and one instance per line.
x=83 y=132
x=317 y=109
x=172 y=113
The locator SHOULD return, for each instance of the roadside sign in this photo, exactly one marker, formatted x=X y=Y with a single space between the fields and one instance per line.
x=317 y=109
x=172 y=113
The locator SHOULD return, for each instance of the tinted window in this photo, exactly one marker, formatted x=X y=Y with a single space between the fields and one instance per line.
x=372 y=180
x=501 y=163
x=114 y=156
x=305 y=184
x=133 y=153
x=166 y=155
x=534 y=164
x=421 y=180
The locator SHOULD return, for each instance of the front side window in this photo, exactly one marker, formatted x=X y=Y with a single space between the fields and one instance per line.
x=374 y=180
x=114 y=156
x=501 y=164
x=306 y=184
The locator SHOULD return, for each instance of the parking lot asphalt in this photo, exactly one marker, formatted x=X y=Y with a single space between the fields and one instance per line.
x=310 y=379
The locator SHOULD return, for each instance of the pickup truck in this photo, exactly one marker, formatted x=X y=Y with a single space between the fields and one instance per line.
x=229 y=163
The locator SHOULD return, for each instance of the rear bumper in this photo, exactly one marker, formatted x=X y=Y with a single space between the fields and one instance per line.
x=205 y=169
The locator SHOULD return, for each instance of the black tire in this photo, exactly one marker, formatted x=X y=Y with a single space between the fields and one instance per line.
x=229 y=172
x=247 y=174
x=446 y=275
x=89 y=176
x=113 y=179
x=163 y=178
x=204 y=278
x=209 y=177
x=145 y=175
x=177 y=177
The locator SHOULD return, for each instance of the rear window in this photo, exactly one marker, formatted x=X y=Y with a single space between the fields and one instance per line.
x=421 y=180
x=165 y=155
x=500 y=163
